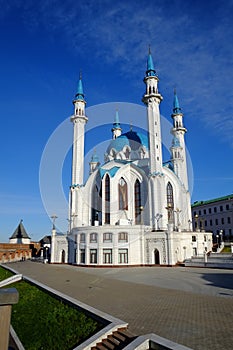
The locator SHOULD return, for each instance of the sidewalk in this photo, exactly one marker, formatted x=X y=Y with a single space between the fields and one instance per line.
x=200 y=321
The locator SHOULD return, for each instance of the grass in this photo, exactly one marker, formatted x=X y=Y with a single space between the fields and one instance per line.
x=226 y=250
x=44 y=322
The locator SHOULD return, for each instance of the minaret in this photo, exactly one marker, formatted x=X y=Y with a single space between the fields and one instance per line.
x=79 y=120
x=116 y=130
x=178 y=146
x=152 y=99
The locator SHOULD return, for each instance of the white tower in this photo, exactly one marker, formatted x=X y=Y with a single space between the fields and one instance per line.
x=178 y=146
x=79 y=120
x=152 y=100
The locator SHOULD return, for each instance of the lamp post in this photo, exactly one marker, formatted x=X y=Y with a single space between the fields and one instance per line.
x=46 y=255
x=190 y=224
x=141 y=211
x=157 y=218
x=196 y=222
x=170 y=217
x=178 y=211
x=217 y=237
x=221 y=237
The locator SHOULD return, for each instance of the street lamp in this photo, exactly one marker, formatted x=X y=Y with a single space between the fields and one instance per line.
x=196 y=222
x=217 y=237
x=170 y=213
x=178 y=211
x=46 y=253
x=141 y=210
x=157 y=218
x=190 y=224
x=221 y=236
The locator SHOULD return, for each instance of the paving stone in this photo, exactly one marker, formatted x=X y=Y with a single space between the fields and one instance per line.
x=202 y=321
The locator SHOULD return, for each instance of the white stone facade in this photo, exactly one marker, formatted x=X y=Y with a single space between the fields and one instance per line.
x=134 y=209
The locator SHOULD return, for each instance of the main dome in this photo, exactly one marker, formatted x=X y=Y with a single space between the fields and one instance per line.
x=133 y=139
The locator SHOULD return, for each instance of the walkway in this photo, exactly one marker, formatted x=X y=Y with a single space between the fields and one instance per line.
x=193 y=307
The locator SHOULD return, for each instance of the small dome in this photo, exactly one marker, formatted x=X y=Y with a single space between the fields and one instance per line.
x=94 y=158
x=133 y=139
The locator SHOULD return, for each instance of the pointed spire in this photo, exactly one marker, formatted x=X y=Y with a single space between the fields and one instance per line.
x=150 y=65
x=176 y=105
x=131 y=126
x=94 y=163
x=94 y=157
x=116 y=130
x=80 y=94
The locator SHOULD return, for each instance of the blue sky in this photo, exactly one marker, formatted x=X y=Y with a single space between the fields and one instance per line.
x=44 y=45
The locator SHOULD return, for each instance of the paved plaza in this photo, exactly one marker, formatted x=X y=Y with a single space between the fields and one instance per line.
x=190 y=306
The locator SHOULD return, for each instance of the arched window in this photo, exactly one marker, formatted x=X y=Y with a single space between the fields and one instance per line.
x=96 y=205
x=93 y=237
x=170 y=202
x=82 y=237
x=63 y=256
x=137 y=201
x=107 y=199
x=107 y=237
x=123 y=195
x=123 y=237
x=127 y=153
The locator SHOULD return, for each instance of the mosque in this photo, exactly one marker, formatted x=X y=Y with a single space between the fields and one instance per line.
x=133 y=210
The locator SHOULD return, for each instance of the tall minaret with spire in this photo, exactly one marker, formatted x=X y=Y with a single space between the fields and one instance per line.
x=79 y=120
x=152 y=99
x=116 y=130
x=178 y=152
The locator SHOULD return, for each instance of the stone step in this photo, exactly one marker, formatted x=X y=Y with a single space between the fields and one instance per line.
x=116 y=341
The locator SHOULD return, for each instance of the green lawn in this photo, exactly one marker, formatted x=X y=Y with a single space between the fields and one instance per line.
x=43 y=322
x=226 y=250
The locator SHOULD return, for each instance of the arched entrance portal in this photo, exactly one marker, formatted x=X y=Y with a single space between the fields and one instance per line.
x=156 y=257
x=63 y=256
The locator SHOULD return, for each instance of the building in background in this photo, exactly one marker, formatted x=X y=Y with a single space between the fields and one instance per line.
x=20 y=235
x=135 y=208
x=216 y=216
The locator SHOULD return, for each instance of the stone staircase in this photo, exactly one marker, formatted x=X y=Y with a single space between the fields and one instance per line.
x=215 y=260
x=117 y=340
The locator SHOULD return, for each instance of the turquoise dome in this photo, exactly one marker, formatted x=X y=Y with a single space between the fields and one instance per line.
x=131 y=138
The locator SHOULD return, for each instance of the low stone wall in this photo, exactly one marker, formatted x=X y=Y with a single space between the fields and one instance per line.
x=14 y=252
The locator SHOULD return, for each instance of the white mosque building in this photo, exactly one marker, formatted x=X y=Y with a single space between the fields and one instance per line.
x=134 y=209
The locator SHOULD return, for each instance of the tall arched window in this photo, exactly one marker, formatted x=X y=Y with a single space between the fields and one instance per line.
x=137 y=201
x=107 y=199
x=123 y=195
x=170 y=202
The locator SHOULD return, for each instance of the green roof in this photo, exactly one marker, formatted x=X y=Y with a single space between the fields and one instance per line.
x=198 y=203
